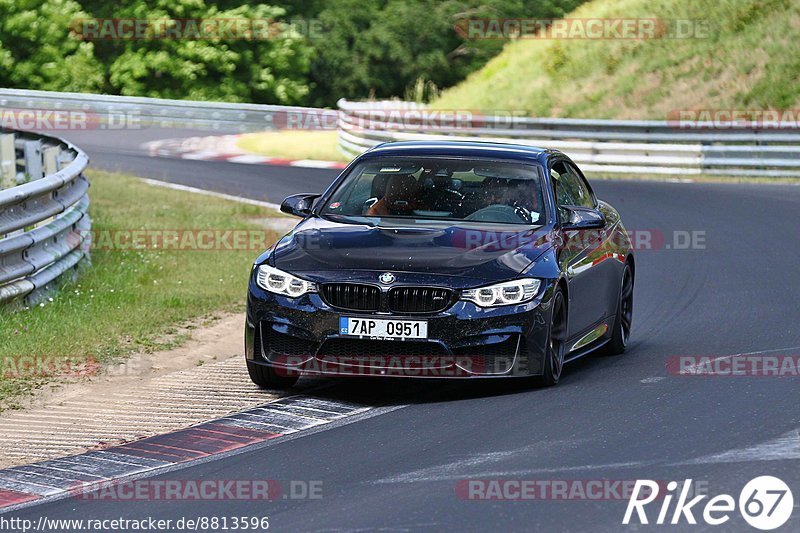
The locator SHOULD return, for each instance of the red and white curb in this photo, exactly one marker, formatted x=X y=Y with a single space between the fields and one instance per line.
x=21 y=486
x=224 y=148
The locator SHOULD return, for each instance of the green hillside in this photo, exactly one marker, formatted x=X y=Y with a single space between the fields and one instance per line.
x=748 y=58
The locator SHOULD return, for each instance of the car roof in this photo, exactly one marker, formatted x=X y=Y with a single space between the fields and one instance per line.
x=460 y=149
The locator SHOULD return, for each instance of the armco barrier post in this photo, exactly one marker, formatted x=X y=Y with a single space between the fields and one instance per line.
x=8 y=161
x=50 y=159
x=32 y=151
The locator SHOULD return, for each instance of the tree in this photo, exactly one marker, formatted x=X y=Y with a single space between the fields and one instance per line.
x=44 y=45
x=367 y=48
x=36 y=51
x=383 y=48
x=272 y=69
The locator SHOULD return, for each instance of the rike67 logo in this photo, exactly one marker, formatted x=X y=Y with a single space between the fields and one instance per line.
x=765 y=503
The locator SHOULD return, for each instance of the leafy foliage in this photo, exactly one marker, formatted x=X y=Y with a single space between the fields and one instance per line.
x=383 y=48
x=378 y=48
x=41 y=49
x=258 y=70
x=36 y=53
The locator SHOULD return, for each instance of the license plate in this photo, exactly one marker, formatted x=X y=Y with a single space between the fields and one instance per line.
x=374 y=328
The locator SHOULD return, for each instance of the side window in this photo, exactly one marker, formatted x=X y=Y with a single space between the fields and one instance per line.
x=563 y=188
x=569 y=187
x=583 y=195
x=561 y=184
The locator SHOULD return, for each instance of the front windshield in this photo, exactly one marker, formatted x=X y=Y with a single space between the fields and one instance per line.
x=438 y=188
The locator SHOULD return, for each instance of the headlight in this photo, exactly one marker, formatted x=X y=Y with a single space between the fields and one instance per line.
x=510 y=292
x=280 y=282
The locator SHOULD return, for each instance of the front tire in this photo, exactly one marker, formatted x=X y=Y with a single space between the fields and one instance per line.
x=557 y=342
x=266 y=377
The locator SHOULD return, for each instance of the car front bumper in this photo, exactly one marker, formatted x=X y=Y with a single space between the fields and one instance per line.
x=298 y=336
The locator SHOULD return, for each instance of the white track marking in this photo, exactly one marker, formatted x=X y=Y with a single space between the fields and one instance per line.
x=186 y=188
x=786 y=446
x=312 y=163
x=693 y=369
x=249 y=159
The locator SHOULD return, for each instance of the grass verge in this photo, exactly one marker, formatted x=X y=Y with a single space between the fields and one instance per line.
x=133 y=299
x=294 y=144
x=740 y=54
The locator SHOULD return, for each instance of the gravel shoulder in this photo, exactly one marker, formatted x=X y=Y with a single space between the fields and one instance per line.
x=148 y=394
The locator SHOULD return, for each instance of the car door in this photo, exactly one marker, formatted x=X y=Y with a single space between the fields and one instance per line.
x=604 y=253
x=580 y=254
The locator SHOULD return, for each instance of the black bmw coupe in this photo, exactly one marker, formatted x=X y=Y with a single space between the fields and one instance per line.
x=442 y=259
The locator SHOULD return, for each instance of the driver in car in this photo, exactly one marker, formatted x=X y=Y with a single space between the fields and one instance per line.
x=400 y=197
x=513 y=194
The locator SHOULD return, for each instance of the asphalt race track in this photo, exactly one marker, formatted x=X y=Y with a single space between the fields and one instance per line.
x=121 y=151
x=619 y=418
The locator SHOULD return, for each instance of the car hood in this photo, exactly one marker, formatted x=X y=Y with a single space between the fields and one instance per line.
x=477 y=251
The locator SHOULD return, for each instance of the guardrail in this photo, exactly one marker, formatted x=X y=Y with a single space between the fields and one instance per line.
x=621 y=146
x=121 y=112
x=44 y=224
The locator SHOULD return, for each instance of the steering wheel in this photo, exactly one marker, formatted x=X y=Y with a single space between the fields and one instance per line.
x=500 y=213
x=367 y=204
x=524 y=214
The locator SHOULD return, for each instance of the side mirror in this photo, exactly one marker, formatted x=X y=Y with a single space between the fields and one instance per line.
x=299 y=204
x=583 y=218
